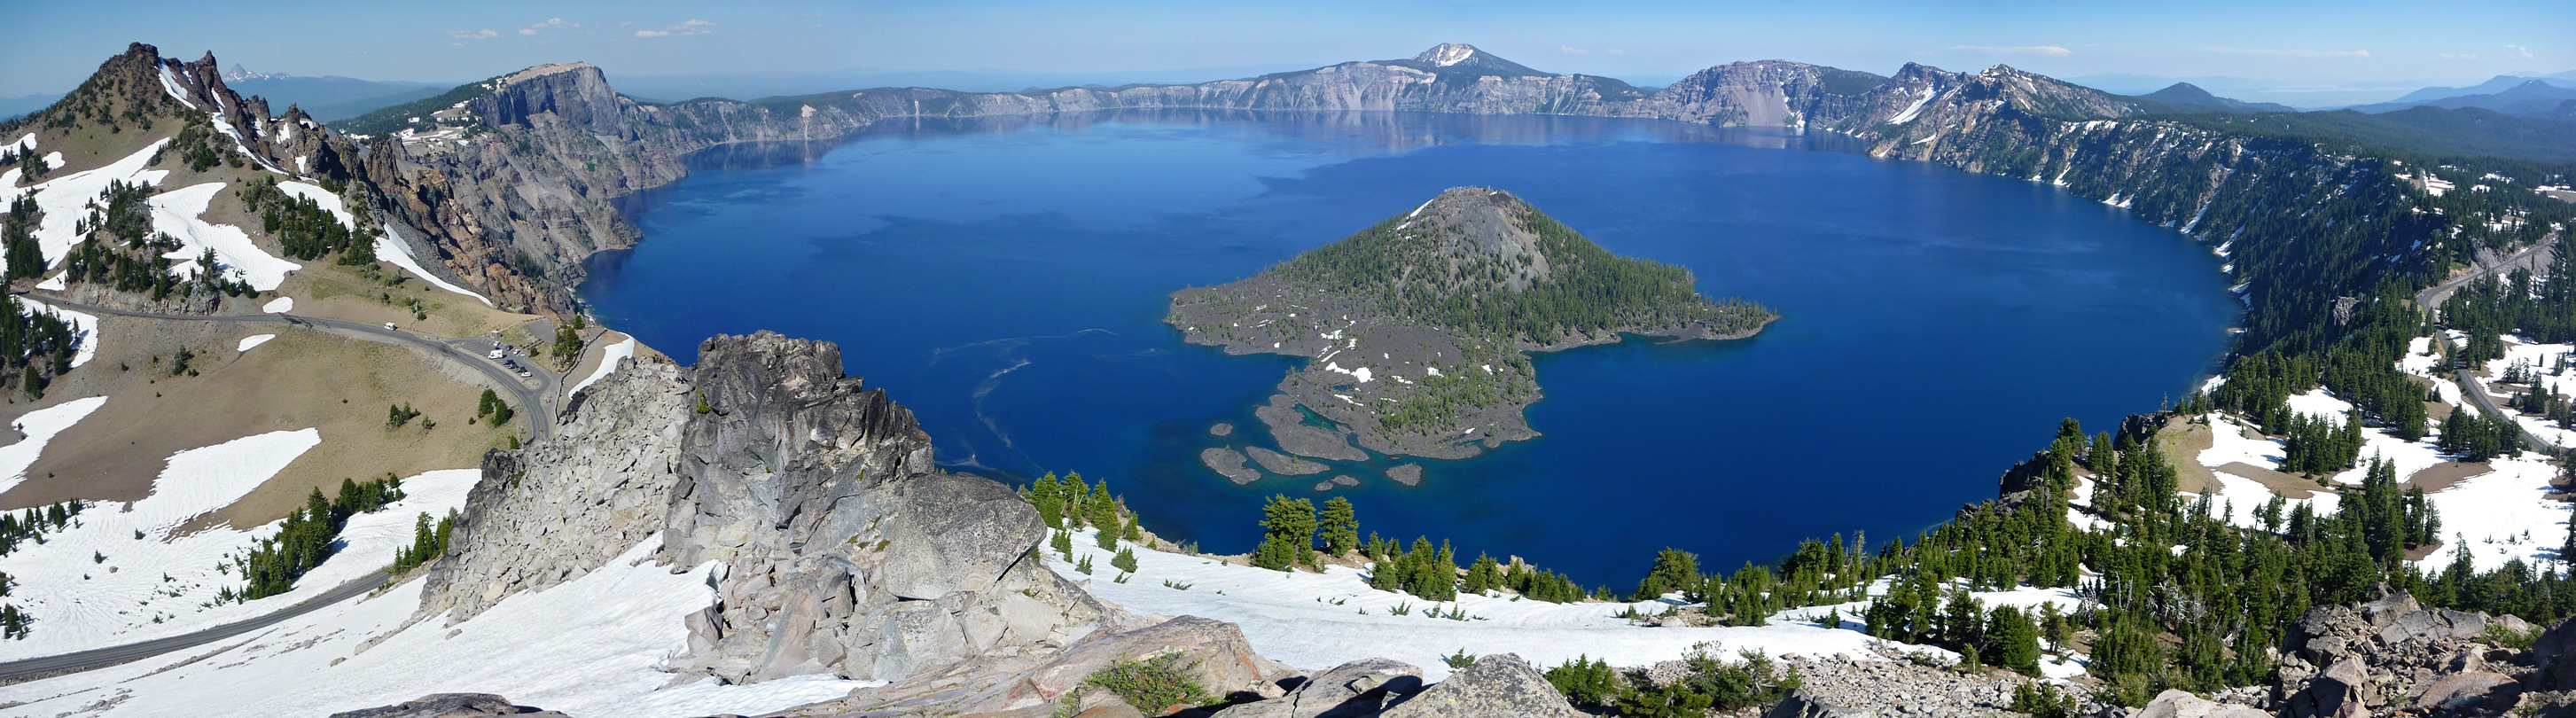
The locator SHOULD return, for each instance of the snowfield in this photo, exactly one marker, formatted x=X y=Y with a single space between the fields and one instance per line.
x=588 y=647
x=1317 y=621
x=330 y=202
x=176 y=212
x=81 y=601
x=280 y=305
x=2543 y=360
x=64 y=199
x=252 y=341
x=2501 y=514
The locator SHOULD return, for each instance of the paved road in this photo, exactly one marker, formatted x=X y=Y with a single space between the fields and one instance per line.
x=464 y=351
x=2432 y=297
x=112 y=655
x=2469 y=386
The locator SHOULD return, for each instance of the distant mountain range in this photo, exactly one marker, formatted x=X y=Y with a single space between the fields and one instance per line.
x=2187 y=97
x=2522 y=96
x=2366 y=97
x=331 y=97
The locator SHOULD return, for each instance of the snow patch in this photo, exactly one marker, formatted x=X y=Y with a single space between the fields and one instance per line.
x=1912 y=110
x=391 y=248
x=84 y=328
x=254 y=340
x=608 y=359
x=176 y=212
x=37 y=428
x=280 y=305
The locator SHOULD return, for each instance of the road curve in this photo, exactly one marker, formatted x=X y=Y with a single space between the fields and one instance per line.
x=2469 y=386
x=2433 y=296
x=540 y=422
x=75 y=662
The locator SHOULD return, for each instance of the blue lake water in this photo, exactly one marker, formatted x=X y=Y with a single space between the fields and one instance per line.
x=1006 y=280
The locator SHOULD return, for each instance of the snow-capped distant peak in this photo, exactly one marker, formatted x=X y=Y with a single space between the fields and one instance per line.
x=1447 y=54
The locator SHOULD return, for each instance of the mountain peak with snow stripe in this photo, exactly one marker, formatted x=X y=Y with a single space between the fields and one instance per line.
x=1459 y=57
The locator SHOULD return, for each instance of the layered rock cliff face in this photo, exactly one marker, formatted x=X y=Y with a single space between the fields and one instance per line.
x=514 y=191
x=845 y=551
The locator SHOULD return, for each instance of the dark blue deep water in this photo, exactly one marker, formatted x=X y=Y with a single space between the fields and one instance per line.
x=1006 y=279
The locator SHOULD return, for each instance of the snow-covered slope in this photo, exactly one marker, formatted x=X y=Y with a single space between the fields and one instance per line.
x=588 y=647
x=1316 y=621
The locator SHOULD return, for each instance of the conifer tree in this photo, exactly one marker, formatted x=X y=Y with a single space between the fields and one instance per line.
x=1288 y=533
x=1341 y=527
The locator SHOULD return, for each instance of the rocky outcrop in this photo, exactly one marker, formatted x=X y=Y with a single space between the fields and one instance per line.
x=2391 y=651
x=846 y=551
x=562 y=506
x=452 y=705
x=1214 y=654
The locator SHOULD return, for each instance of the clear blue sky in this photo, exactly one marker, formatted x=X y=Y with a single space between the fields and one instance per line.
x=55 y=43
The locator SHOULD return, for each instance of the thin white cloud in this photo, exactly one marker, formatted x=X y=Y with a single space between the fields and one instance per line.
x=691 y=27
x=1615 y=51
x=472 y=34
x=2284 y=52
x=1572 y=50
x=554 y=23
x=2519 y=51
x=2459 y=56
x=2043 y=50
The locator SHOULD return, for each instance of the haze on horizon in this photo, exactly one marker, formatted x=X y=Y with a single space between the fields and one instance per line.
x=2337 y=52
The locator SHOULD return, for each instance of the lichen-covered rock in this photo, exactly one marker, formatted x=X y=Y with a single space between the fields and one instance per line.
x=1497 y=685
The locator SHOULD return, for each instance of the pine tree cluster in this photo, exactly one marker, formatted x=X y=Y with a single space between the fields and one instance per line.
x=272 y=566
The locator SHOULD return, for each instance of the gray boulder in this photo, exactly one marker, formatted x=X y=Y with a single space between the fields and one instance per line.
x=2473 y=690
x=2182 y=704
x=1352 y=690
x=2336 y=693
x=1799 y=704
x=451 y=705
x=1497 y=685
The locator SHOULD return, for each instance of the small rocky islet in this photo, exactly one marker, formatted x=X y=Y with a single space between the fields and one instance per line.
x=1417 y=331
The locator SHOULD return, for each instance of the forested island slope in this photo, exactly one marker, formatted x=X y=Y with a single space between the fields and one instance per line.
x=1416 y=329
